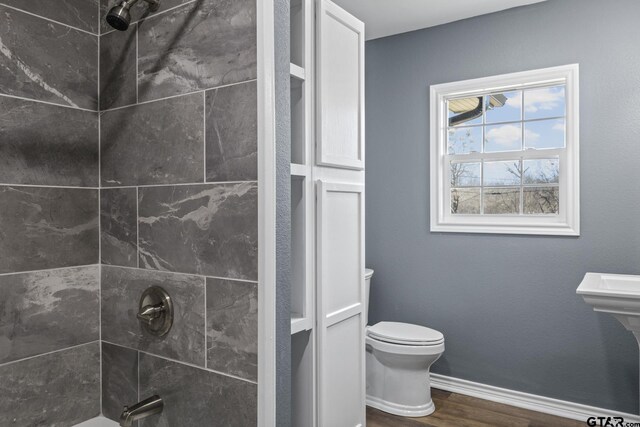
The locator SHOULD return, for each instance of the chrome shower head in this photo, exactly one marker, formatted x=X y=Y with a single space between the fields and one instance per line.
x=119 y=17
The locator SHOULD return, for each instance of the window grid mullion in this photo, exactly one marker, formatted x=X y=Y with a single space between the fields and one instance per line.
x=522 y=126
x=511 y=122
x=521 y=185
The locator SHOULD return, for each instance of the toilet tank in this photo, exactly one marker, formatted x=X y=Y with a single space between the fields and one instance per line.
x=367 y=287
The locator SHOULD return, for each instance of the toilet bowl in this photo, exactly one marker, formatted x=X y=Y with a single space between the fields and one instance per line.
x=398 y=359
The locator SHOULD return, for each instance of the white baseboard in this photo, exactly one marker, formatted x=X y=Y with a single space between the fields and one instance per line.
x=560 y=408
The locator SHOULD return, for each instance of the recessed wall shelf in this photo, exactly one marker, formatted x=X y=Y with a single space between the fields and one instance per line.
x=299 y=324
x=299 y=170
x=303 y=338
x=297 y=72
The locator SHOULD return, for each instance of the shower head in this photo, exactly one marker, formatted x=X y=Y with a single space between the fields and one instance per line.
x=119 y=17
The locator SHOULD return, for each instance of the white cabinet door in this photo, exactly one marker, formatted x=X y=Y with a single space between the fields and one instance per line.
x=341 y=304
x=340 y=88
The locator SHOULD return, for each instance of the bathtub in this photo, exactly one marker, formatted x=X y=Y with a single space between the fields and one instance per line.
x=98 y=422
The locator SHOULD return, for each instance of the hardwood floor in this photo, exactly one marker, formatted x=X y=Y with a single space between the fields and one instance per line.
x=456 y=410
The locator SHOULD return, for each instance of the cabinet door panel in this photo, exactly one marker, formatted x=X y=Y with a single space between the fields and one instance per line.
x=340 y=50
x=341 y=304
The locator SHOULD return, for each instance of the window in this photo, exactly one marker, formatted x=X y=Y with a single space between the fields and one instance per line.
x=504 y=154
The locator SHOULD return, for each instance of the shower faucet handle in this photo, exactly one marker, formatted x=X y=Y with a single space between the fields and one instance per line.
x=149 y=313
x=156 y=311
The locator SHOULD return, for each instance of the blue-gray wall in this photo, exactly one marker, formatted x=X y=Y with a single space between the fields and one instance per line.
x=507 y=304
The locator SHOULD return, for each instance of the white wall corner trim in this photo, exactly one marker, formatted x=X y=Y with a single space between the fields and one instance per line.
x=547 y=405
x=266 y=216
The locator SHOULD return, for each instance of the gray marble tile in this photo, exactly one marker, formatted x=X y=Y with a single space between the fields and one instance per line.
x=119 y=226
x=232 y=327
x=156 y=143
x=45 y=228
x=118 y=80
x=46 y=61
x=232 y=133
x=195 y=397
x=82 y=14
x=48 y=310
x=121 y=291
x=205 y=229
x=206 y=44
x=139 y=11
x=119 y=379
x=58 y=389
x=44 y=144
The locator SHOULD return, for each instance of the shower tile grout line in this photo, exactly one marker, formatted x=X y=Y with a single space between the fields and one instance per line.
x=99 y=21
x=176 y=96
x=138 y=227
x=73 y=187
x=51 y=20
x=49 y=269
x=183 y=274
x=179 y=184
x=204 y=133
x=13 y=362
x=6 y=95
x=100 y=266
x=206 y=340
x=69 y=187
x=182 y=363
x=100 y=215
x=137 y=29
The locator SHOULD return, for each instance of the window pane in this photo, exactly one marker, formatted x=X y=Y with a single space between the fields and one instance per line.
x=465 y=111
x=503 y=107
x=544 y=134
x=541 y=200
x=499 y=138
x=465 y=140
x=465 y=174
x=501 y=200
x=502 y=173
x=544 y=102
x=541 y=171
x=465 y=201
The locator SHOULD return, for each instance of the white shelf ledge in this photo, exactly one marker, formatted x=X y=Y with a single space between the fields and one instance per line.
x=298 y=170
x=297 y=72
x=299 y=324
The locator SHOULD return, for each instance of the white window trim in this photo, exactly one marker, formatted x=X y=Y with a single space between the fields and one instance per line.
x=567 y=222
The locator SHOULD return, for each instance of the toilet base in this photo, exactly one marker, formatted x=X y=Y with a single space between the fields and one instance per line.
x=401 y=410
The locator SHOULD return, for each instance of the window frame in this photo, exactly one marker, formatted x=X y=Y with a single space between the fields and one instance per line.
x=567 y=221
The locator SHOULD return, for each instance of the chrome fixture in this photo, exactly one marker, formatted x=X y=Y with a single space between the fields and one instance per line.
x=147 y=407
x=155 y=311
x=119 y=17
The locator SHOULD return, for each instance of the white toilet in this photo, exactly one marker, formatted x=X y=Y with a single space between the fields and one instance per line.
x=398 y=357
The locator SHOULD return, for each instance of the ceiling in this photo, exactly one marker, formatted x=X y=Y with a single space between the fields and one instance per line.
x=387 y=17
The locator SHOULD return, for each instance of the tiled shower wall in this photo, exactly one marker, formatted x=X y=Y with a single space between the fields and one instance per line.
x=179 y=204
x=49 y=213
x=127 y=160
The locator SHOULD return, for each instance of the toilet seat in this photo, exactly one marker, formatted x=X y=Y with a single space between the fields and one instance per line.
x=405 y=334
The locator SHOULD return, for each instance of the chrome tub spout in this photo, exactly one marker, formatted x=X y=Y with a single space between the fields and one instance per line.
x=147 y=407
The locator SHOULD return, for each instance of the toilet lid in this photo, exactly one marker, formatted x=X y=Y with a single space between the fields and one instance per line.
x=405 y=333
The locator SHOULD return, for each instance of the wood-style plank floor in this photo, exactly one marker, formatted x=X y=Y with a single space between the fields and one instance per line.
x=456 y=410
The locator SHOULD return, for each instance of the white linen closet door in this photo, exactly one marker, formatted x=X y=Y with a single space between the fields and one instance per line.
x=340 y=88
x=341 y=297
